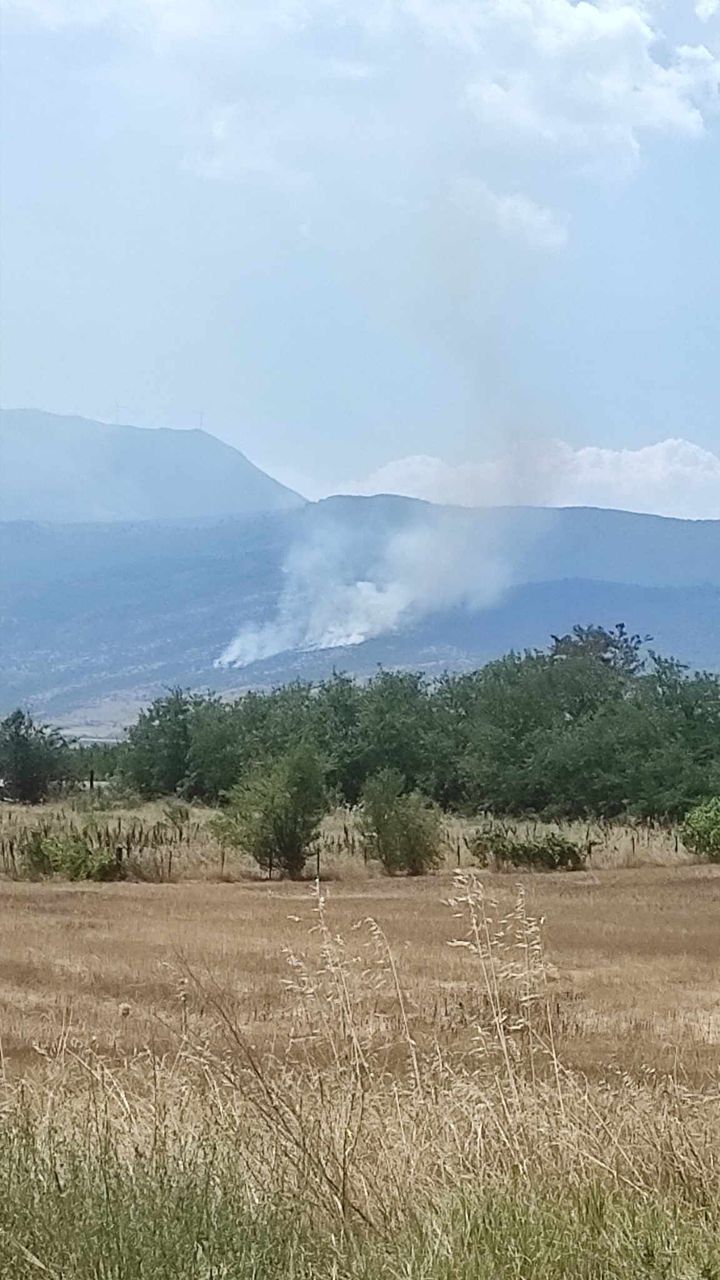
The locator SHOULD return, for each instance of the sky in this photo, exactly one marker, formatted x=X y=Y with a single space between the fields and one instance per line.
x=466 y=249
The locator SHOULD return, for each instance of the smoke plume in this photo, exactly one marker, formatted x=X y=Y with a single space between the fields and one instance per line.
x=345 y=583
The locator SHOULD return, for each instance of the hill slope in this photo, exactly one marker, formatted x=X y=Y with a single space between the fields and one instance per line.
x=57 y=468
x=97 y=620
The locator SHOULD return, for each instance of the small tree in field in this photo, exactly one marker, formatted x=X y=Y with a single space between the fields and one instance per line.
x=402 y=830
x=274 y=814
x=701 y=830
x=32 y=757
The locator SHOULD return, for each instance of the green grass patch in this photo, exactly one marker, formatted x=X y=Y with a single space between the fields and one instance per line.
x=72 y=1211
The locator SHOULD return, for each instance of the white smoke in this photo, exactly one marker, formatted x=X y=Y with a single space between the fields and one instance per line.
x=441 y=561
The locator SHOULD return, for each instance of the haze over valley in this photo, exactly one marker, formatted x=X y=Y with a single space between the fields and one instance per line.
x=238 y=582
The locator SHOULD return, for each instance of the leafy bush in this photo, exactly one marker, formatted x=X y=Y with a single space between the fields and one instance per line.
x=67 y=855
x=274 y=814
x=700 y=831
x=402 y=830
x=33 y=857
x=499 y=848
x=72 y=858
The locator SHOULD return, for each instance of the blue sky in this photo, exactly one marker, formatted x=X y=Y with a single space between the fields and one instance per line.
x=371 y=240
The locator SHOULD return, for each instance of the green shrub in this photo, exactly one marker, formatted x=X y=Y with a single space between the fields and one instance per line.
x=33 y=857
x=71 y=857
x=275 y=813
x=700 y=831
x=67 y=855
x=499 y=848
x=400 y=829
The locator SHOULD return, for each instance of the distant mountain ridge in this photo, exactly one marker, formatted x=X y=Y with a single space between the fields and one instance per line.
x=62 y=469
x=98 y=620
x=132 y=559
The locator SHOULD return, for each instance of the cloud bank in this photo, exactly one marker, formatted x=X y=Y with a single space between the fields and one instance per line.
x=671 y=478
x=583 y=82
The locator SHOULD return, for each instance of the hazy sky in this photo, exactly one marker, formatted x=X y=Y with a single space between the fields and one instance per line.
x=343 y=233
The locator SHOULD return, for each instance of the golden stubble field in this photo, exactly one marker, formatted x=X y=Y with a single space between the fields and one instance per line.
x=632 y=964
x=382 y=1065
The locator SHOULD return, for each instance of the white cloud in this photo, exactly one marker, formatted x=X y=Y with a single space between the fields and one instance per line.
x=706 y=9
x=590 y=79
x=587 y=79
x=515 y=216
x=672 y=478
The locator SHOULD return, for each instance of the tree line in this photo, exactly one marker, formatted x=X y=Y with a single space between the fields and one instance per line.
x=596 y=725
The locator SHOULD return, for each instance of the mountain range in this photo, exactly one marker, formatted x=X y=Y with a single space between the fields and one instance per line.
x=55 y=468
x=97 y=616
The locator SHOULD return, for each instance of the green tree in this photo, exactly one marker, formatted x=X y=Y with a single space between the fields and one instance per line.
x=615 y=647
x=394 y=723
x=595 y=724
x=156 y=761
x=401 y=829
x=519 y=706
x=215 y=753
x=336 y=729
x=32 y=757
x=274 y=813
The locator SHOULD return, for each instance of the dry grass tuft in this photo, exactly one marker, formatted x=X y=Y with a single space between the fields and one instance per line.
x=376 y=1063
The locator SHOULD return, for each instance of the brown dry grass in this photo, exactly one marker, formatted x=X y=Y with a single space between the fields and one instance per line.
x=197 y=855
x=367 y=1062
x=633 y=964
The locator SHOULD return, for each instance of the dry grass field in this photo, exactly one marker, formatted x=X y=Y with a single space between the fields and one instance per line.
x=193 y=854
x=633 y=960
x=474 y=1075
x=631 y=945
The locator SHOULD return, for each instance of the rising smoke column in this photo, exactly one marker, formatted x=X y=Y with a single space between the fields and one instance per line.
x=342 y=587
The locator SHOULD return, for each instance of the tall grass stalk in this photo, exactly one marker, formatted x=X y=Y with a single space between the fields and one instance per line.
x=350 y=1146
